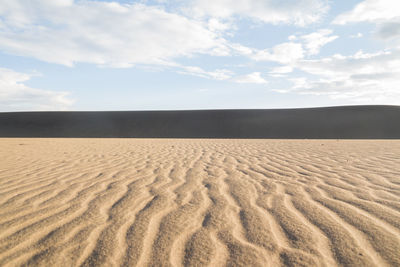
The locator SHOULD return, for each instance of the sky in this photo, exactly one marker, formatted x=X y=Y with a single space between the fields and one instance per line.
x=197 y=54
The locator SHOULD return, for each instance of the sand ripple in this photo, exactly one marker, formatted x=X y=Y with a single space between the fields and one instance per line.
x=153 y=202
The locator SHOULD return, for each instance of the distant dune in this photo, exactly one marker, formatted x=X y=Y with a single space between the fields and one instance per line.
x=350 y=122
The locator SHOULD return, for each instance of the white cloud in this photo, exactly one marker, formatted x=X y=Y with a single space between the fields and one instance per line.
x=289 y=53
x=298 y=12
x=218 y=26
x=219 y=74
x=316 y=40
x=16 y=96
x=254 y=77
x=362 y=77
x=371 y=11
x=241 y=49
x=284 y=53
x=384 y=13
x=103 y=33
x=281 y=70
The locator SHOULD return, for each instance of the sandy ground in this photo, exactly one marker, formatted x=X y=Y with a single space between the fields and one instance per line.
x=131 y=202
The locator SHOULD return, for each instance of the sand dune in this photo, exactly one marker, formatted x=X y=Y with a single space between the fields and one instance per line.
x=197 y=202
x=346 y=122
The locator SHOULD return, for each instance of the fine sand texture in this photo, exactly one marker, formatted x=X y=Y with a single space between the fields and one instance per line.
x=199 y=202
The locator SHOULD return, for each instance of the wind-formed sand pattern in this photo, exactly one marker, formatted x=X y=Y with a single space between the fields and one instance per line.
x=175 y=202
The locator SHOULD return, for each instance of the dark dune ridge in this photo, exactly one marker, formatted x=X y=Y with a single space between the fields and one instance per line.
x=348 y=122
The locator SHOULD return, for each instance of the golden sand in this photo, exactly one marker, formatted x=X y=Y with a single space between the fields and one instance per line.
x=153 y=202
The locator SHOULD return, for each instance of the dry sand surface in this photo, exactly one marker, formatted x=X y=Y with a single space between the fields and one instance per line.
x=166 y=202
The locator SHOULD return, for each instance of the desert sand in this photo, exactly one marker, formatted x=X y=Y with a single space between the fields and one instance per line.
x=199 y=202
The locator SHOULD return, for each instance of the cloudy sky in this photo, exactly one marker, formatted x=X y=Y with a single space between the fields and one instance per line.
x=197 y=54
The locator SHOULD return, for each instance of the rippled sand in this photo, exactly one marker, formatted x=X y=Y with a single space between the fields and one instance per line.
x=144 y=202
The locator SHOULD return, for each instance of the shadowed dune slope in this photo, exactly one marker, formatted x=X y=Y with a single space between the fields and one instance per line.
x=199 y=202
x=351 y=122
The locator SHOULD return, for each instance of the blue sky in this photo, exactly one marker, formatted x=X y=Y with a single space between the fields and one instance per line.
x=197 y=54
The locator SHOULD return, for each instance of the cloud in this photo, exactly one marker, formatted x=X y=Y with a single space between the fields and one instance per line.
x=104 y=33
x=284 y=53
x=219 y=74
x=362 y=77
x=390 y=30
x=16 y=96
x=289 y=53
x=281 y=70
x=298 y=12
x=316 y=40
x=70 y=31
x=254 y=77
x=370 y=11
x=384 y=13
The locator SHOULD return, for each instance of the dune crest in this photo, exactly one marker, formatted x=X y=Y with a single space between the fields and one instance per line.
x=198 y=202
